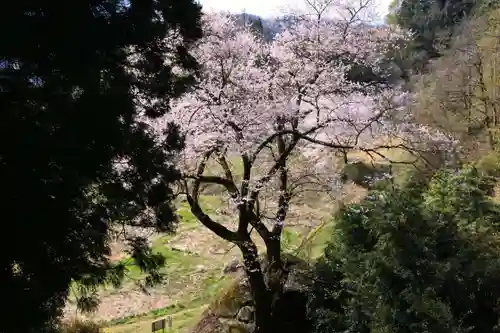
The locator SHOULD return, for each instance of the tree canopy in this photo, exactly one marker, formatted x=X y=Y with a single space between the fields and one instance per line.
x=261 y=104
x=417 y=258
x=76 y=154
x=433 y=23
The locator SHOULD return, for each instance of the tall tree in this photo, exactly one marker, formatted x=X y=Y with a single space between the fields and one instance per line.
x=254 y=23
x=257 y=27
x=459 y=95
x=76 y=154
x=260 y=105
x=418 y=258
x=433 y=22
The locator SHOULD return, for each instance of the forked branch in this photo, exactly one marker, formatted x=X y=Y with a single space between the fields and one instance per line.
x=193 y=200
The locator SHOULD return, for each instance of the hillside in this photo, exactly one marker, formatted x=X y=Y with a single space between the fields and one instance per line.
x=200 y=265
x=273 y=26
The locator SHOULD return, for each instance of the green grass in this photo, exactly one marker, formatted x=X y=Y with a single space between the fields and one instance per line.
x=209 y=203
x=182 y=313
x=180 y=269
x=181 y=320
x=186 y=311
x=177 y=262
x=314 y=243
x=289 y=239
x=188 y=306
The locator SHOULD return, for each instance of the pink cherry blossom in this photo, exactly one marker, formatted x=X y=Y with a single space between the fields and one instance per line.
x=263 y=102
x=267 y=105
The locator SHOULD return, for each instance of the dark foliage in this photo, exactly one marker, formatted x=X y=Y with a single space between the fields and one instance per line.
x=67 y=112
x=423 y=258
x=433 y=23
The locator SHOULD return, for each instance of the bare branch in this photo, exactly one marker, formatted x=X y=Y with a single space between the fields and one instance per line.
x=227 y=183
x=221 y=158
x=193 y=200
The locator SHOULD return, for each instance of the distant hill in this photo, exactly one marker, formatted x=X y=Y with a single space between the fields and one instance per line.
x=358 y=73
x=273 y=26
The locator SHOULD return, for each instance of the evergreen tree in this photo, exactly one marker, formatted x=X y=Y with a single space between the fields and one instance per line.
x=423 y=258
x=69 y=102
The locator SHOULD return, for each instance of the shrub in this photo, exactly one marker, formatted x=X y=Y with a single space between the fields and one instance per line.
x=79 y=326
x=419 y=258
x=490 y=164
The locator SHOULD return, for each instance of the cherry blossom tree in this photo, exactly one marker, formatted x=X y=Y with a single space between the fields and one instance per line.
x=264 y=103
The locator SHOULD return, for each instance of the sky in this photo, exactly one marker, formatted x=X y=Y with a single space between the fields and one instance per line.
x=268 y=8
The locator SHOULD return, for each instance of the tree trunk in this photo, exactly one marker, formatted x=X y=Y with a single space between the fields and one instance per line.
x=262 y=295
x=274 y=273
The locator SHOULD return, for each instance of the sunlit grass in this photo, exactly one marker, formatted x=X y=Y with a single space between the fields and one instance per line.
x=308 y=229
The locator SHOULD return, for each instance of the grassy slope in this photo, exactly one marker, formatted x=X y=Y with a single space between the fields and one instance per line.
x=196 y=297
x=194 y=272
x=192 y=290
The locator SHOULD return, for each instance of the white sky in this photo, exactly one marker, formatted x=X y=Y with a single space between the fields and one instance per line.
x=268 y=8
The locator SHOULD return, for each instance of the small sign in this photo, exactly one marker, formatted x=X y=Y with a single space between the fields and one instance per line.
x=158 y=325
x=169 y=320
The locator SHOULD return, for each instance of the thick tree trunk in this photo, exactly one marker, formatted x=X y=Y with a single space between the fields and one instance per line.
x=274 y=274
x=261 y=293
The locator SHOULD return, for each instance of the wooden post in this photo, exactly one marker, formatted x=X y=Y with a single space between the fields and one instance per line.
x=169 y=321
x=158 y=325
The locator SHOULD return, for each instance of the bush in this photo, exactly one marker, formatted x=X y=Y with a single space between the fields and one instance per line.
x=419 y=258
x=79 y=326
x=490 y=164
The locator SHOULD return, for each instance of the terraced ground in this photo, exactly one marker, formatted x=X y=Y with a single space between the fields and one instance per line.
x=195 y=264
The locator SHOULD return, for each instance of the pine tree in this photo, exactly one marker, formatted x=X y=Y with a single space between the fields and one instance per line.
x=422 y=258
x=69 y=113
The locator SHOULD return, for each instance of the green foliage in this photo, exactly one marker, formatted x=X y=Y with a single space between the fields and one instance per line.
x=433 y=23
x=68 y=113
x=391 y=18
x=485 y=6
x=419 y=258
x=489 y=164
x=430 y=18
x=361 y=73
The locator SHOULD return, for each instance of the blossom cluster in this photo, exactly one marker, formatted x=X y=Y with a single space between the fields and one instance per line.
x=247 y=87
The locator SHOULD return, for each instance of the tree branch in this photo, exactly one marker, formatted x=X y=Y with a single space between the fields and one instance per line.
x=215 y=227
x=221 y=158
x=227 y=183
x=193 y=200
x=273 y=136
